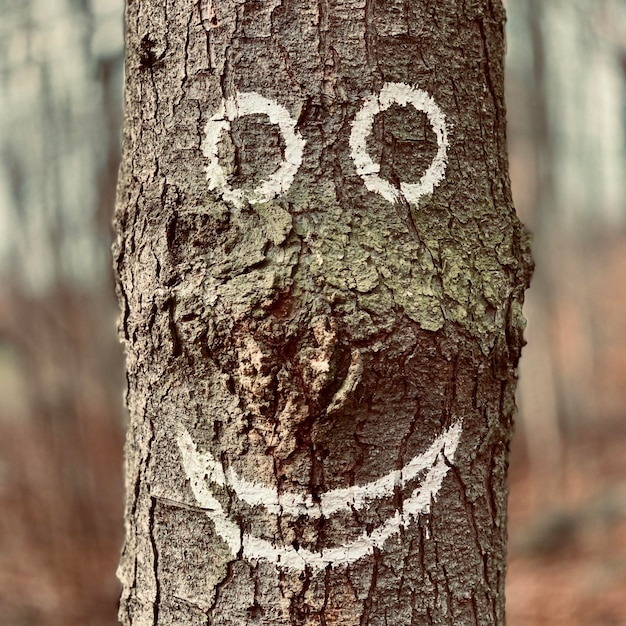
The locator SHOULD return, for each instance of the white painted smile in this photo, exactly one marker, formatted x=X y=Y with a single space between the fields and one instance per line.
x=202 y=469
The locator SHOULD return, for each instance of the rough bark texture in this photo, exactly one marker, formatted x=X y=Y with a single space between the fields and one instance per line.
x=326 y=336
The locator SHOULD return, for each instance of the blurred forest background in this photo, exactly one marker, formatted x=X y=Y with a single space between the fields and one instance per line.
x=61 y=368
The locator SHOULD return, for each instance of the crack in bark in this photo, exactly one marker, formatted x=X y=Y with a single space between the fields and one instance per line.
x=368 y=603
x=155 y=562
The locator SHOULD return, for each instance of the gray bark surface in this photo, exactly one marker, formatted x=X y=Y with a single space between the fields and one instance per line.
x=325 y=337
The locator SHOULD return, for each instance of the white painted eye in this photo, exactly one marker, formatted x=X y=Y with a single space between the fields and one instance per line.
x=403 y=95
x=251 y=103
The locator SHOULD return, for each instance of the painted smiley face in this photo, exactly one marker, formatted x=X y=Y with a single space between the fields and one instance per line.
x=425 y=472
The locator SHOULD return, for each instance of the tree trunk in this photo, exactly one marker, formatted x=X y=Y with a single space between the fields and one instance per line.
x=321 y=276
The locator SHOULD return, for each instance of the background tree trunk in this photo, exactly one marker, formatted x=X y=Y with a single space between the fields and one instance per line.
x=321 y=360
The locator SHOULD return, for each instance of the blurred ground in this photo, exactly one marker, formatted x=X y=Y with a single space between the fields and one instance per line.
x=61 y=439
x=567 y=526
x=59 y=540
x=567 y=558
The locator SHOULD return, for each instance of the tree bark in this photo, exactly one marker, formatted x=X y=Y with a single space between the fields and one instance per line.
x=321 y=276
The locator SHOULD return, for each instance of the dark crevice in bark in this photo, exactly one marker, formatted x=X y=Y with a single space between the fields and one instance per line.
x=371 y=36
x=177 y=345
x=322 y=33
x=149 y=58
x=299 y=610
x=155 y=562
x=219 y=586
x=369 y=600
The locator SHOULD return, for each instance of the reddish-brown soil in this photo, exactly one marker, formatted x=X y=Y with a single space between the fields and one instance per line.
x=567 y=555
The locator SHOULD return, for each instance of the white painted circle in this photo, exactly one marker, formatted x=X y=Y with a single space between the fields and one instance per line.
x=202 y=468
x=251 y=103
x=402 y=94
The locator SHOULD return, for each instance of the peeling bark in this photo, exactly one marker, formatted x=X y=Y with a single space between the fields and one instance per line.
x=302 y=352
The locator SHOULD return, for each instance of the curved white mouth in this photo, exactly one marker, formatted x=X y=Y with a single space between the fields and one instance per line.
x=202 y=468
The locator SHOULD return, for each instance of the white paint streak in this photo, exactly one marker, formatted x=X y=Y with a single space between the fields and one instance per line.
x=403 y=95
x=196 y=467
x=203 y=468
x=250 y=103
